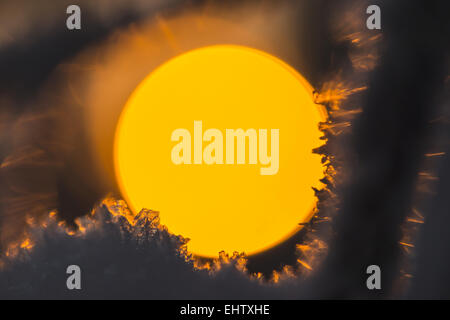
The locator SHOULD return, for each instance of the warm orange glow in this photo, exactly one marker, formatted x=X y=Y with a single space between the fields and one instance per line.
x=230 y=207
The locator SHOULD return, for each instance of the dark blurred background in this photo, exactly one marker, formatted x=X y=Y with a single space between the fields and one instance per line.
x=405 y=115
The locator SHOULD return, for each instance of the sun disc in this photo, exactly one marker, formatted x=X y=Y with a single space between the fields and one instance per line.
x=247 y=201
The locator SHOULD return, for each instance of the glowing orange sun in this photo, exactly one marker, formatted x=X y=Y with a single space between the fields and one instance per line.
x=219 y=140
